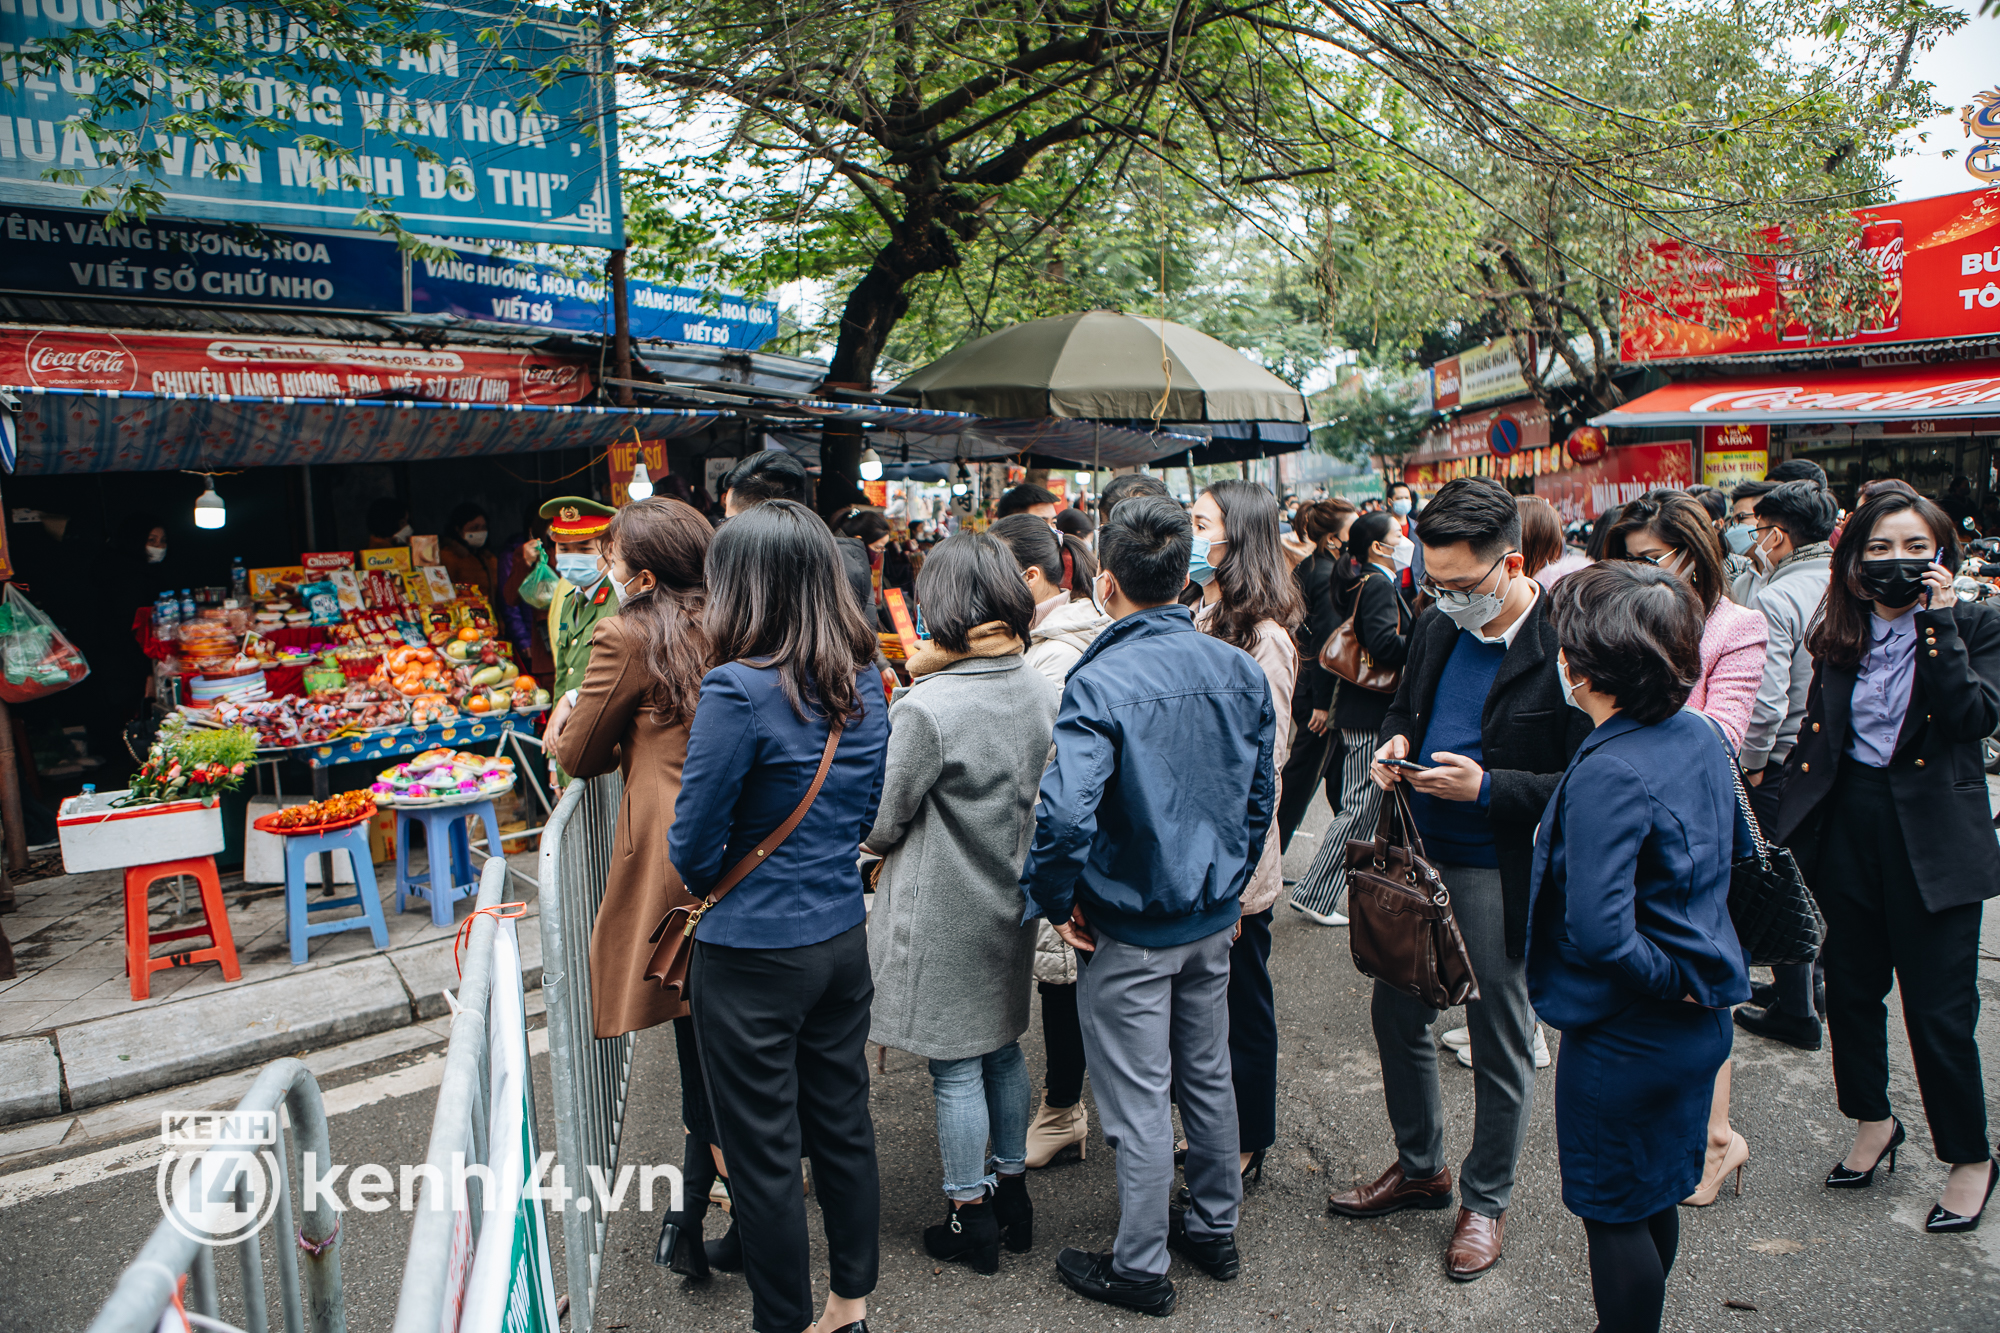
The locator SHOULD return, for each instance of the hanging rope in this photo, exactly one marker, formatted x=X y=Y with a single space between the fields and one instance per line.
x=1166 y=362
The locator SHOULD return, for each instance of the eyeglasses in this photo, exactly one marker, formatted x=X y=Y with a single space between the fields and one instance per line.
x=1436 y=591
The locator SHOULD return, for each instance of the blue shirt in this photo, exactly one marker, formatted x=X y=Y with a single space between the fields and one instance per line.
x=750 y=760
x=1459 y=832
x=1882 y=689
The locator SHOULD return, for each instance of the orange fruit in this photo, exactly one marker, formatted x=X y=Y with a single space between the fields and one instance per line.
x=477 y=704
x=470 y=635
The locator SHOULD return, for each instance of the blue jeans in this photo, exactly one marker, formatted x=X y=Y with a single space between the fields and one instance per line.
x=979 y=1097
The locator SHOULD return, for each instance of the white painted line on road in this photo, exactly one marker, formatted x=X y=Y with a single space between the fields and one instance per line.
x=76 y=1172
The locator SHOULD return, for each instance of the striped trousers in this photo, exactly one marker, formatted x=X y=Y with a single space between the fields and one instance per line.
x=1323 y=888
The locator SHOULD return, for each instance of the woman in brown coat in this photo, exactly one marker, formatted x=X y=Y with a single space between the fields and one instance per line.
x=632 y=713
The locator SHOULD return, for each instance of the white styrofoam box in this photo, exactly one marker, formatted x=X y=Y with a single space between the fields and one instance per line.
x=264 y=853
x=110 y=839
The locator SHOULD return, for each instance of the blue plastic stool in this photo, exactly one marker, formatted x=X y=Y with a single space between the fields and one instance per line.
x=353 y=841
x=448 y=841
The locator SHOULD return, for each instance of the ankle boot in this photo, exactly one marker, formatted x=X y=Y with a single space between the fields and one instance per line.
x=1054 y=1129
x=680 y=1246
x=727 y=1254
x=970 y=1234
x=1014 y=1213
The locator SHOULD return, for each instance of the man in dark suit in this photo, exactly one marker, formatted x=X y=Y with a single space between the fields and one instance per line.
x=1481 y=709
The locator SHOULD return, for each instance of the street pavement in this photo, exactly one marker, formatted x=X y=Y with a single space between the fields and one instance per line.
x=1804 y=1258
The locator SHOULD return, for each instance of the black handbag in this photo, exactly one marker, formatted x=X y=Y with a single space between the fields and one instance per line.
x=1776 y=919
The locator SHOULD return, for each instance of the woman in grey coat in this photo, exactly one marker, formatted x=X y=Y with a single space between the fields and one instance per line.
x=950 y=955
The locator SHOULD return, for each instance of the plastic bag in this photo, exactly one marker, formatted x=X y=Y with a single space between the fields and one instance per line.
x=538 y=587
x=36 y=660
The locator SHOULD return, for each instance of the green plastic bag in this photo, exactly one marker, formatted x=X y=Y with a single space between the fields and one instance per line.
x=538 y=589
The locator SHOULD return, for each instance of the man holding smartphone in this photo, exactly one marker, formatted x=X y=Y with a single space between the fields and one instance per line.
x=1480 y=732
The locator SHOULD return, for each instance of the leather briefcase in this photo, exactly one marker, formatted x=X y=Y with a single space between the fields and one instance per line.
x=1400 y=925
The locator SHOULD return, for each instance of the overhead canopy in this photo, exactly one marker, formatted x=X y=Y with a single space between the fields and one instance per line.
x=1885 y=393
x=106 y=430
x=1105 y=365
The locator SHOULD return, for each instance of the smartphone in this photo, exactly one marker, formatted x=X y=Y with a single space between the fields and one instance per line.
x=1405 y=765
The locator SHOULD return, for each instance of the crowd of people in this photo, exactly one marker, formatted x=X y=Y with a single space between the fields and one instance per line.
x=1113 y=728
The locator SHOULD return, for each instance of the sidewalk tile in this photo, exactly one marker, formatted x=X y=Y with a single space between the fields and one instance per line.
x=30 y=1080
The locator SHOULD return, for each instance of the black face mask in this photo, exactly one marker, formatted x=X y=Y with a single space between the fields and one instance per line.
x=1892 y=582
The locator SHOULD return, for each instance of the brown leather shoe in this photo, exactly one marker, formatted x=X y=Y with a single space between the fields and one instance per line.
x=1391 y=1193
x=1475 y=1245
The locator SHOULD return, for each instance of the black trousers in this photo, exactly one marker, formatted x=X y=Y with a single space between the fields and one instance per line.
x=1253 y=1034
x=1878 y=930
x=783 y=1036
x=1062 y=1039
x=1629 y=1263
x=1307 y=764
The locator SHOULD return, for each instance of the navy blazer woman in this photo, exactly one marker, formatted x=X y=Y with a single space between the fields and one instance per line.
x=1628 y=916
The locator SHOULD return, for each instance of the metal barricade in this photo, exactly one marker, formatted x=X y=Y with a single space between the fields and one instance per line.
x=458 y=1128
x=308 y=1255
x=590 y=1078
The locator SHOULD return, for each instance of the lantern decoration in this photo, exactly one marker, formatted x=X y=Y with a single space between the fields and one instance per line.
x=1586 y=444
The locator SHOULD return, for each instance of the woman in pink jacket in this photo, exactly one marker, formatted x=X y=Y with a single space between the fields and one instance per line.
x=1672 y=530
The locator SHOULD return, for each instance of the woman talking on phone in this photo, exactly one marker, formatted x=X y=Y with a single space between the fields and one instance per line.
x=1886 y=808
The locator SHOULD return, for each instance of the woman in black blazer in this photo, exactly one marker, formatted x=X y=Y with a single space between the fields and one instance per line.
x=1366 y=581
x=1886 y=807
x=1325 y=524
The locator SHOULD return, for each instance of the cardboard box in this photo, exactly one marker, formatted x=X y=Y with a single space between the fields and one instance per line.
x=423 y=550
x=319 y=562
x=388 y=557
x=264 y=582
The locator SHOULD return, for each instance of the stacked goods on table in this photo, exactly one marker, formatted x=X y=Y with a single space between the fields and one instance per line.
x=445 y=775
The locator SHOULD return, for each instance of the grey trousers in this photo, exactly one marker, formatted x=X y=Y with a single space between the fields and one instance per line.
x=1155 y=1023
x=1502 y=1028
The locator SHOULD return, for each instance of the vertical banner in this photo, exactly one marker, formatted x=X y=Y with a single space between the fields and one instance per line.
x=1734 y=454
x=622 y=456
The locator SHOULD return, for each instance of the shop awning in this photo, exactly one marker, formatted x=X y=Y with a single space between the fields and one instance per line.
x=1884 y=393
x=108 y=430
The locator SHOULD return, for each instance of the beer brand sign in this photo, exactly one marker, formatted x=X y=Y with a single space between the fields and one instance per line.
x=1938 y=262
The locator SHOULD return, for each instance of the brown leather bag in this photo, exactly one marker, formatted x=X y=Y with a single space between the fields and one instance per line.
x=673 y=938
x=1400 y=925
x=1344 y=656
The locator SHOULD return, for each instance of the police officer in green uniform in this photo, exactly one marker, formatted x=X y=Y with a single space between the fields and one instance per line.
x=583 y=593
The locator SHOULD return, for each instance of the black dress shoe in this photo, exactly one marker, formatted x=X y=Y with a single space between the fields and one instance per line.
x=1015 y=1213
x=1840 y=1178
x=727 y=1253
x=1943 y=1221
x=968 y=1234
x=1778 y=1025
x=1089 y=1274
x=1214 y=1255
x=858 y=1326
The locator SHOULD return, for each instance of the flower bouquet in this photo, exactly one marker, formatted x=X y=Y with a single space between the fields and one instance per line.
x=192 y=763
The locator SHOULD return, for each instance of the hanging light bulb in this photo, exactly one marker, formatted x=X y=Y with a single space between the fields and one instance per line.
x=208 y=508
x=958 y=488
x=871 y=465
x=641 y=485
x=1083 y=479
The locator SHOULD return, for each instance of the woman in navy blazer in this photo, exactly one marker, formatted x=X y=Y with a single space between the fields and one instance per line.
x=1631 y=954
x=779 y=984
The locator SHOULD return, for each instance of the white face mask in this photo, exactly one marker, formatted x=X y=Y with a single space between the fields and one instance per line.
x=402 y=534
x=1473 y=611
x=1569 y=686
x=622 y=592
x=1096 y=599
x=155 y=554
x=476 y=539
x=1406 y=551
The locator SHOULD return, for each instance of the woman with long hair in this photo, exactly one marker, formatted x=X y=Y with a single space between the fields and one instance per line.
x=1366 y=589
x=789 y=731
x=1058 y=573
x=967 y=744
x=1886 y=807
x=632 y=714
x=1673 y=531
x=1324 y=524
x=1248 y=599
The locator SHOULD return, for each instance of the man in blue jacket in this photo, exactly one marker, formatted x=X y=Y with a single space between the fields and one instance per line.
x=1152 y=817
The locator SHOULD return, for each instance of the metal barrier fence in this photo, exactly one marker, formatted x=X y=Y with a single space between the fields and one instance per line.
x=308 y=1255
x=590 y=1078
x=458 y=1127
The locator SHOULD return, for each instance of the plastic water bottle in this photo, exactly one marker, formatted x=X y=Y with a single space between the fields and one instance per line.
x=239 y=580
x=166 y=615
x=87 y=801
x=189 y=613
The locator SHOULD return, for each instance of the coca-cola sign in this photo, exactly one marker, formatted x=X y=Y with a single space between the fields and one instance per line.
x=1967 y=392
x=79 y=361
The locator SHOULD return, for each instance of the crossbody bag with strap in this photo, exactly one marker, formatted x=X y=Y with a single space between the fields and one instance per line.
x=673 y=937
x=1344 y=656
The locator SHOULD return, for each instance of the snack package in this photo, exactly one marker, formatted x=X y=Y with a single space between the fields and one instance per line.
x=322 y=602
x=388 y=557
x=438 y=584
x=266 y=583
x=348 y=587
x=36 y=660
x=320 y=562
x=423 y=550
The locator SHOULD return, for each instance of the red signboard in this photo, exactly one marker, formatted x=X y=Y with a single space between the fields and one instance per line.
x=1939 y=261
x=1501 y=430
x=1620 y=477
x=1881 y=393
x=284 y=367
x=1444 y=384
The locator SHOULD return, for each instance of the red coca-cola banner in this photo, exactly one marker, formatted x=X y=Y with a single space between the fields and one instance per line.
x=1939 y=261
x=284 y=367
x=1619 y=477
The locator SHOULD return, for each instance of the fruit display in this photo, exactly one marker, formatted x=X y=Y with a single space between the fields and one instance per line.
x=445 y=775
x=292 y=720
x=345 y=808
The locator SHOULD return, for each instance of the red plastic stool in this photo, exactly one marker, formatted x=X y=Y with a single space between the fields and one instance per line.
x=139 y=962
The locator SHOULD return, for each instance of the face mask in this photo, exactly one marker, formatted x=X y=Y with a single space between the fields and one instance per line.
x=1199 y=569
x=1896 y=582
x=1569 y=686
x=402 y=534
x=1405 y=552
x=1471 y=611
x=155 y=554
x=580 y=570
x=1097 y=601
x=1739 y=539
x=475 y=539
x=622 y=592
x=1400 y=508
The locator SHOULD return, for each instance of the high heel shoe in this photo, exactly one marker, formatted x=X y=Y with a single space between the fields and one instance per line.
x=1840 y=1178
x=1015 y=1213
x=726 y=1254
x=1254 y=1168
x=970 y=1233
x=680 y=1249
x=1943 y=1221
x=1733 y=1158
x=1054 y=1129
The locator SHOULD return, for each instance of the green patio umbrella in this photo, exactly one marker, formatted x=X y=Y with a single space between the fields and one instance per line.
x=1103 y=365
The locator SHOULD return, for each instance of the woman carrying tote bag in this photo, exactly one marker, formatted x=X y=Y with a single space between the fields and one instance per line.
x=1380 y=620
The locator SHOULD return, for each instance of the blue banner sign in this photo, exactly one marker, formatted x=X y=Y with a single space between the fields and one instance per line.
x=59 y=253
x=542 y=296
x=505 y=173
